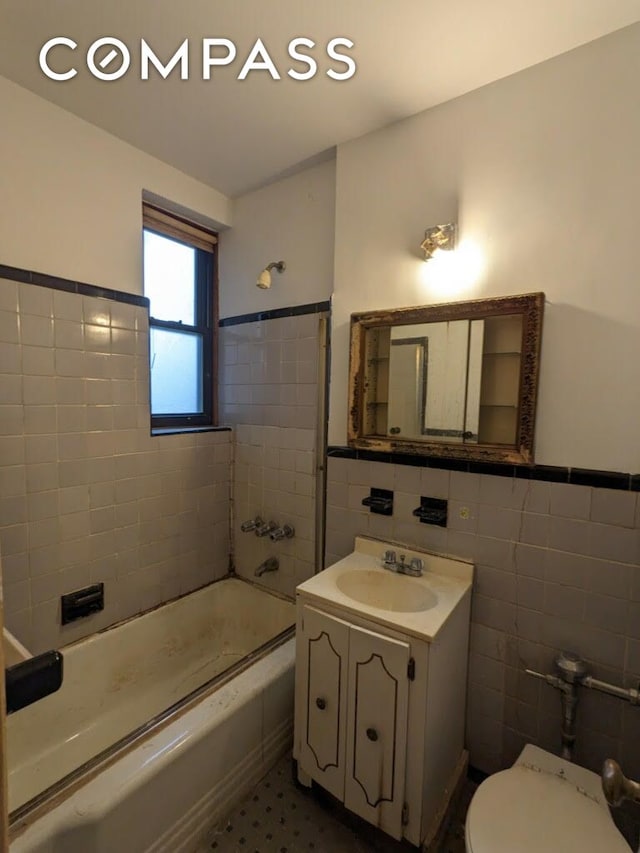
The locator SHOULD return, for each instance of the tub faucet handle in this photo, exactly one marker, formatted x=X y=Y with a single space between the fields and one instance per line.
x=251 y=524
x=284 y=532
x=265 y=529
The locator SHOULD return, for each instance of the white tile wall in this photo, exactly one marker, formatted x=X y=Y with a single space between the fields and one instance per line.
x=272 y=480
x=269 y=393
x=557 y=567
x=86 y=494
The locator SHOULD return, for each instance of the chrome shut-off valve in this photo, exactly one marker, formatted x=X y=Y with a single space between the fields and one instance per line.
x=571 y=673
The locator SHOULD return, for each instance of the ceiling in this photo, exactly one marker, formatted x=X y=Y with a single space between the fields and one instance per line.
x=237 y=135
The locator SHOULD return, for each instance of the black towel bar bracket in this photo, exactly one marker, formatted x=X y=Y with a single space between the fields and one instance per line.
x=432 y=511
x=380 y=501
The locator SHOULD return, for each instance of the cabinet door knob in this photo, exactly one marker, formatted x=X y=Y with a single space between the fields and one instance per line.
x=372 y=734
x=321 y=704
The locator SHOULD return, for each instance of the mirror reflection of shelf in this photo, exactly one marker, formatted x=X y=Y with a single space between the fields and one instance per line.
x=498 y=424
x=503 y=334
x=377 y=390
x=500 y=383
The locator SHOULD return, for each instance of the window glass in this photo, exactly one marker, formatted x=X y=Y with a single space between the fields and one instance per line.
x=180 y=263
x=176 y=372
x=169 y=279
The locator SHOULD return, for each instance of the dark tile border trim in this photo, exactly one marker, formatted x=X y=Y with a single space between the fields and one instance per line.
x=55 y=283
x=276 y=313
x=548 y=473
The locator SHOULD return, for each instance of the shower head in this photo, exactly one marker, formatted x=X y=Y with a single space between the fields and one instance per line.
x=264 y=279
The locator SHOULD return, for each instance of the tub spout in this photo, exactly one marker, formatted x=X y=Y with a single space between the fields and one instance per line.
x=270 y=565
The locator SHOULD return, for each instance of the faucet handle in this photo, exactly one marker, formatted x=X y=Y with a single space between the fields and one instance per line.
x=417 y=566
x=251 y=524
x=389 y=558
x=284 y=532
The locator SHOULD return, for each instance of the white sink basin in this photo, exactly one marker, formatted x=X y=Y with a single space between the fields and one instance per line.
x=386 y=591
x=359 y=585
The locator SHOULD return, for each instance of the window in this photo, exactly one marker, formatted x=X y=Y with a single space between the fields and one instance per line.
x=179 y=280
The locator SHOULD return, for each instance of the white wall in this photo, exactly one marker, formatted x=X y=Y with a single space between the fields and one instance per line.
x=291 y=220
x=71 y=194
x=541 y=171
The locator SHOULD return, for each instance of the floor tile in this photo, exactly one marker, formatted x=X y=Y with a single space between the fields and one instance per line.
x=280 y=816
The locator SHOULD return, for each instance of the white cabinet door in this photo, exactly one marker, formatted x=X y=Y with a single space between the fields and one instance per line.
x=378 y=692
x=322 y=665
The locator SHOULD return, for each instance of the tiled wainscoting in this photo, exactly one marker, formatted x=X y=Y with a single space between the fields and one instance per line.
x=269 y=393
x=557 y=567
x=275 y=478
x=86 y=494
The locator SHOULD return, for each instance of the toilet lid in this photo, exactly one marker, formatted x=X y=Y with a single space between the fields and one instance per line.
x=532 y=811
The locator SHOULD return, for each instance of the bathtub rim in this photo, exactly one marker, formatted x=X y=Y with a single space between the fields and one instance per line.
x=230 y=576
x=23 y=816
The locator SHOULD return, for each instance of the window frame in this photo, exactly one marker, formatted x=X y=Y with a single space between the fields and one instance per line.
x=171 y=227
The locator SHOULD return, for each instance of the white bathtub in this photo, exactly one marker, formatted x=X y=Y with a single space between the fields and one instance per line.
x=163 y=791
x=14 y=651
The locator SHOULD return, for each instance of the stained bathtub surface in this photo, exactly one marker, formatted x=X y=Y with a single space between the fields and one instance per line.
x=120 y=679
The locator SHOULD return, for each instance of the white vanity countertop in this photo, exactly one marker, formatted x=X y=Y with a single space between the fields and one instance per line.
x=447 y=579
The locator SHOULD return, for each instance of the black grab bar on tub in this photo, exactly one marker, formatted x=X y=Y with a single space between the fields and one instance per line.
x=33 y=679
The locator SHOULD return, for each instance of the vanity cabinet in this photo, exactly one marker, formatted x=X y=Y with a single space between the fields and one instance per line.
x=354 y=689
x=380 y=702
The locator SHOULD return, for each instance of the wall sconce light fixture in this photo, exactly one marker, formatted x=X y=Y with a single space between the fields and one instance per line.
x=439 y=237
x=264 y=279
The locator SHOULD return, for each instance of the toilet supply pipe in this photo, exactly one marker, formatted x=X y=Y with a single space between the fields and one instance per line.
x=572 y=672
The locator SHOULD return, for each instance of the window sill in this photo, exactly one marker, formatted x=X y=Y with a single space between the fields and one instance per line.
x=180 y=430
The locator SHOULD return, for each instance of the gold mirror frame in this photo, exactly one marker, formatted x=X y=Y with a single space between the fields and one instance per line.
x=530 y=306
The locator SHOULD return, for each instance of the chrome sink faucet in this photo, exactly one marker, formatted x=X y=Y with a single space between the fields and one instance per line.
x=415 y=568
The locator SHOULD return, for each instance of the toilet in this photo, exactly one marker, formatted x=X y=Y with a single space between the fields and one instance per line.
x=543 y=804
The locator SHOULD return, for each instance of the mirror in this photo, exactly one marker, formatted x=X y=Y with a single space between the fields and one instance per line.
x=456 y=380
